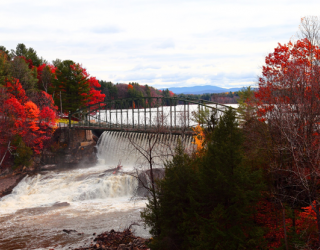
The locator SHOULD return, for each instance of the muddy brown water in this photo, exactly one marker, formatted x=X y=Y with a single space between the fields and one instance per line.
x=91 y=200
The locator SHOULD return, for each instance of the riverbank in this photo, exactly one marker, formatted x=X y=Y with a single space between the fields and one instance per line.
x=8 y=182
x=113 y=240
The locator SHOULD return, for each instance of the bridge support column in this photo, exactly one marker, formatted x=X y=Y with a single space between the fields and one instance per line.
x=175 y=115
x=138 y=115
x=184 y=114
x=170 y=101
x=145 y=115
x=121 y=114
x=127 y=107
x=157 y=112
x=132 y=113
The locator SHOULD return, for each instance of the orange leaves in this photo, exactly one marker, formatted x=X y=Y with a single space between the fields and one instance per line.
x=307 y=224
x=32 y=115
x=33 y=120
x=15 y=89
x=32 y=111
x=14 y=115
x=130 y=86
x=289 y=75
x=199 y=139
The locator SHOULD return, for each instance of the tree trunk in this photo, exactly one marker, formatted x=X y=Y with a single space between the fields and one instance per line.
x=5 y=153
x=284 y=226
x=318 y=221
x=293 y=220
x=60 y=103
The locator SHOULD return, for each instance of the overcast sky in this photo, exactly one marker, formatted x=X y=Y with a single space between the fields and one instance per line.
x=162 y=43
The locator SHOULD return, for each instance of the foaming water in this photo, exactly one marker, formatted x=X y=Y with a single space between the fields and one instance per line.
x=74 y=187
x=88 y=200
x=129 y=147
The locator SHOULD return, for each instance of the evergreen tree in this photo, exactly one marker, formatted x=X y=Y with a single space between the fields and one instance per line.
x=4 y=68
x=28 y=53
x=170 y=221
x=28 y=77
x=208 y=202
x=229 y=191
x=109 y=89
x=70 y=88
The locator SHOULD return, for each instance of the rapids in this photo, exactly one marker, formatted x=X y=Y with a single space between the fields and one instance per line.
x=88 y=200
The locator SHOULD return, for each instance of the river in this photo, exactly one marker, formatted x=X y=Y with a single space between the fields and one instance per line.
x=88 y=200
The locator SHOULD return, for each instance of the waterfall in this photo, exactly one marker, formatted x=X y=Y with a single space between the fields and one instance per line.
x=89 y=200
x=102 y=183
x=132 y=148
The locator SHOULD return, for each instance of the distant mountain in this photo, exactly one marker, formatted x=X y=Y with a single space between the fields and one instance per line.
x=201 y=90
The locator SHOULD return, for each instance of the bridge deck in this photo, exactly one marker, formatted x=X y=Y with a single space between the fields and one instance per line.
x=153 y=114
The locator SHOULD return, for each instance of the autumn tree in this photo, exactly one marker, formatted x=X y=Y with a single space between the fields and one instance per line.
x=24 y=125
x=45 y=75
x=290 y=103
x=12 y=120
x=73 y=88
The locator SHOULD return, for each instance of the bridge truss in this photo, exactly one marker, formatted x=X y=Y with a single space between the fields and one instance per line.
x=146 y=114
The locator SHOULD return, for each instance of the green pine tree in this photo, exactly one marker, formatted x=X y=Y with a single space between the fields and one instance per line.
x=71 y=84
x=170 y=220
x=229 y=190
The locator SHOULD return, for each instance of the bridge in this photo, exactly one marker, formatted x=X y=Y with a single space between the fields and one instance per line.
x=145 y=114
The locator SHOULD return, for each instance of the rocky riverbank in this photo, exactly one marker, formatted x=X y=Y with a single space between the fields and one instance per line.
x=68 y=149
x=7 y=183
x=11 y=179
x=117 y=241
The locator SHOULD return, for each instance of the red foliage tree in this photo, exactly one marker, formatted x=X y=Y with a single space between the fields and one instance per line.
x=14 y=89
x=74 y=88
x=45 y=74
x=24 y=118
x=28 y=61
x=95 y=94
x=289 y=101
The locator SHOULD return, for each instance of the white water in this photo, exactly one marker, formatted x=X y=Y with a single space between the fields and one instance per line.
x=92 y=200
x=89 y=200
x=81 y=188
x=116 y=147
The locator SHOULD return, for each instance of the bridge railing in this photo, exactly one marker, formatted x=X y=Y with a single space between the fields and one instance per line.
x=145 y=114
